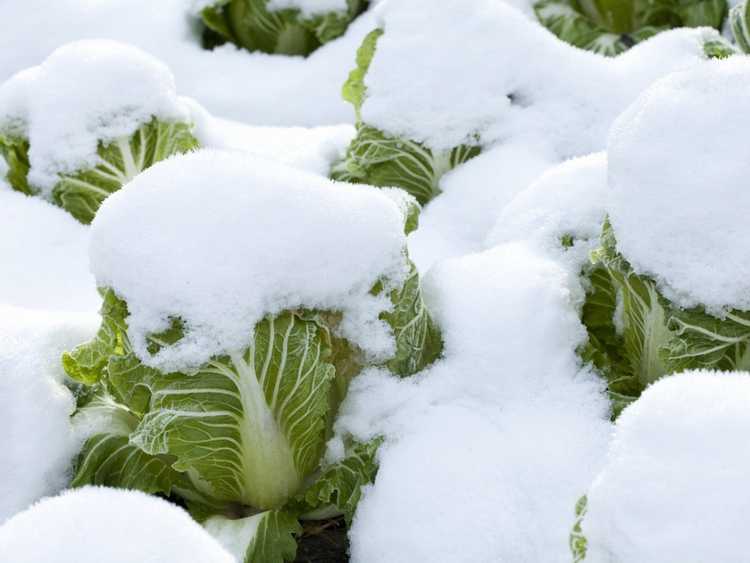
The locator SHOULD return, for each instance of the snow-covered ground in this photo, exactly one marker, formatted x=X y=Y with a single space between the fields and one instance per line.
x=254 y=309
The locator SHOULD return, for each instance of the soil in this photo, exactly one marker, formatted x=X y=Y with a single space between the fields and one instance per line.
x=323 y=542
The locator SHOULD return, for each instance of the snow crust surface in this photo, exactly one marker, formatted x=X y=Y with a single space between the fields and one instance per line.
x=221 y=239
x=313 y=149
x=43 y=256
x=83 y=93
x=96 y=524
x=674 y=480
x=452 y=97
x=309 y=7
x=678 y=176
x=488 y=450
x=231 y=82
x=569 y=200
x=36 y=436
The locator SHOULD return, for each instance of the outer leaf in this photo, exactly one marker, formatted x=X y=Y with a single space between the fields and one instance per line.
x=644 y=321
x=268 y=537
x=340 y=485
x=578 y=543
x=249 y=24
x=82 y=194
x=250 y=425
x=353 y=90
x=701 y=341
x=86 y=362
x=109 y=459
x=739 y=19
x=599 y=310
x=418 y=339
x=380 y=160
x=573 y=27
x=699 y=13
x=609 y=27
x=15 y=151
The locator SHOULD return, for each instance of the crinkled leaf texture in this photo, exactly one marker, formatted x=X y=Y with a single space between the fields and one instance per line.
x=609 y=27
x=339 y=485
x=245 y=432
x=249 y=24
x=267 y=537
x=82 y=193
x=637 y=335
x=379 y=159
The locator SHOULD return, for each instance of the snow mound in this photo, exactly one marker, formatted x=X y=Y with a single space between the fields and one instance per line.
x=674 y=481
x=472 y=85
x=220 y=239
x=487 y=451
x=96 y=524
x=83 y=93
x=313 y=149
x=561 y=213
x=678 y=169
x=457 y=221
x=251 y=87
x=44 y=256
x=35 y=433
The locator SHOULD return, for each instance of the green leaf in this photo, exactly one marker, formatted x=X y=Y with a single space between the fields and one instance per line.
x=251 y=425
x=354 y=89
x=339 y=486
x=573 y=27
x=15 y=151
x=418 y=338
x=738 y=19
x=577 y=542
x=121 y=160
x=702 y=341
x=380 y=160
x=86 y=363
x=249 y=24
x=109 y=459
x=609 y=27
x=268 y=537
x=645 y=312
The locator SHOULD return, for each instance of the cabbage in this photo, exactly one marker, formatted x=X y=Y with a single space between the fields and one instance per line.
x=254 y=25
x=82 y=193
x=609 y=27
x=240 y=439
x=379 y=159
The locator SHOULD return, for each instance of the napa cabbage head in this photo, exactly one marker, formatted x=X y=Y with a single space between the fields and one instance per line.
x=609 y=27
x=257 y=25
x=637 y=335
x=379 y=159
x=240 y=439
x=81 y=193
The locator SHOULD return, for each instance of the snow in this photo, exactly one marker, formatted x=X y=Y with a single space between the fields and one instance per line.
x=314 y=149
x=262 y=239
x=674 y=481
x=231 y=82
x=105 y=89
x=308 y=8
x=567 y=200
x=450 y=98
x=487 y=451
x=457 y=221
x=44 y=256
x=37 y=440
x=677 y=174
x=96 y=524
